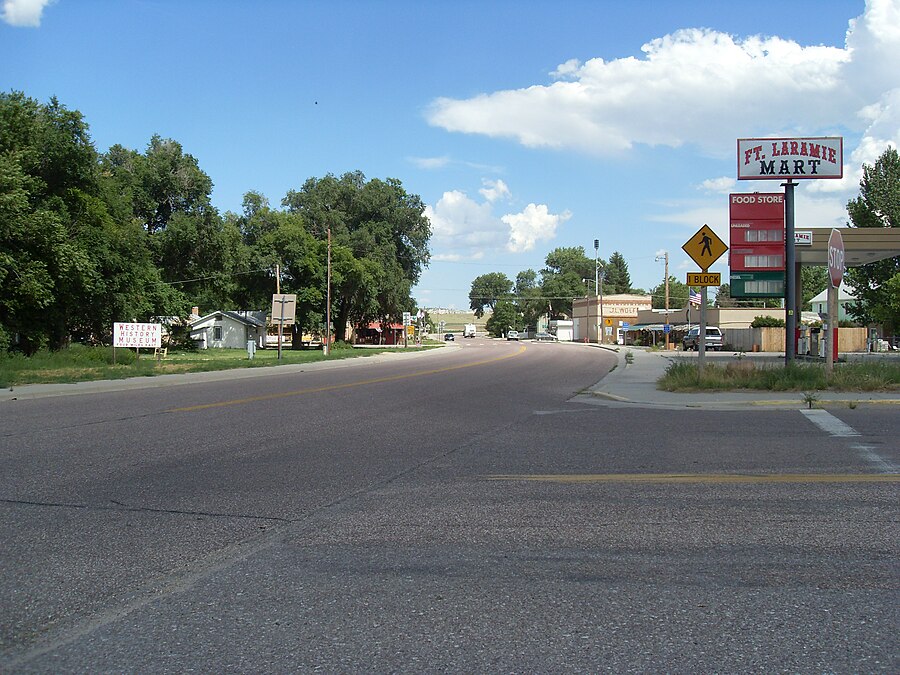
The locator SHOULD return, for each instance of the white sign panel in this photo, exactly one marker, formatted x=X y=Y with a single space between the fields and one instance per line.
x=803 y=237
x=147 y=335
x=781 y=158
x=284 y=308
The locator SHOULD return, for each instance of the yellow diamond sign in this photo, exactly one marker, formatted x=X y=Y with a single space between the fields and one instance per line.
x=705 y=247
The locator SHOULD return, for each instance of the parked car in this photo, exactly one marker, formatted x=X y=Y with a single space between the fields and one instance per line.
x=545 y=337
x=512 y=335
x=714 y=339
x=448 y=337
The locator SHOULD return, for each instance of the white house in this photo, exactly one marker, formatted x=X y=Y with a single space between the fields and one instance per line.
x=229 y=329
x=820 y=303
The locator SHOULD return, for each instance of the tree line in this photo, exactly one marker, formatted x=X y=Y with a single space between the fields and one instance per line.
x=89 y=238
x=568 y=273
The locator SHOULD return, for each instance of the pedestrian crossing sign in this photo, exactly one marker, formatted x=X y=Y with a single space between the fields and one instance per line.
x=705 y=247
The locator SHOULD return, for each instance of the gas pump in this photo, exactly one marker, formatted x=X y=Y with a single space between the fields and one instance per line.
x=825 y=336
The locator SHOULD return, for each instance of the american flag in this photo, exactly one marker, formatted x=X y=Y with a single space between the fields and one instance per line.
x=694 y=298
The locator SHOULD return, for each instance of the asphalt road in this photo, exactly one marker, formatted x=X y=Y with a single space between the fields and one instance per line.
x=464 y=511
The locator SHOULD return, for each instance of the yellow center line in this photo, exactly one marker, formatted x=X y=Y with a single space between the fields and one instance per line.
x=335 y=387
x=701 y=478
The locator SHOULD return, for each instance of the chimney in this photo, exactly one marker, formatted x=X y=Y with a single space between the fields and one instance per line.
x=195 y=311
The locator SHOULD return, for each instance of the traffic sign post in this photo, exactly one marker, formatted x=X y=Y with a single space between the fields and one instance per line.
x=284 y=309
x=836 y=275
x=704 y=248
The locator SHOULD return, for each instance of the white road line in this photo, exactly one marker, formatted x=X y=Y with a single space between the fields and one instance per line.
x=829 y=423
x=868 y=453
x=833 y=426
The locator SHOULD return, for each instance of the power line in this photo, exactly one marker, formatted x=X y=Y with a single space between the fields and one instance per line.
x=215 y=276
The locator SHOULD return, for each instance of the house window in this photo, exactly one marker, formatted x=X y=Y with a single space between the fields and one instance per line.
x=217 y=333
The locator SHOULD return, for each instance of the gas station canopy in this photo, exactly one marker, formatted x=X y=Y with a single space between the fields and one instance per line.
x=861 y=245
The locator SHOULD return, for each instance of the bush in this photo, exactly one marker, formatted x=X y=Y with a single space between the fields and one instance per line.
x=341 y=344
x=767 y=322
x=179 y=339
x=77 y=354
x=684 y=376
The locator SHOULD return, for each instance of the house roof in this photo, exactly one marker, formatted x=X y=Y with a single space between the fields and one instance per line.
x=843 y=294
x=236 y=316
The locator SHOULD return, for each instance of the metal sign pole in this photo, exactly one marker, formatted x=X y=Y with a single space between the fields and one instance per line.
x=280 y=327
x=830 y=332
x=701 y=343
x=790 y=295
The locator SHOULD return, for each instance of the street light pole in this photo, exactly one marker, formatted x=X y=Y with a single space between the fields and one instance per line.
x=666 y=256
x=597 y=295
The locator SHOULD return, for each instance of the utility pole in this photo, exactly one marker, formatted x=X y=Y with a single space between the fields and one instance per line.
x=327 y=347
x=281 y=320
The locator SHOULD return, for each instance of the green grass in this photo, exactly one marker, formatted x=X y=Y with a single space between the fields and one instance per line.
x=79 y=363
x=684 y=376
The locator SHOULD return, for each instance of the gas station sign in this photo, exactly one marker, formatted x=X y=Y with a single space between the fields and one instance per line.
x=756 y=234
x=782 y=158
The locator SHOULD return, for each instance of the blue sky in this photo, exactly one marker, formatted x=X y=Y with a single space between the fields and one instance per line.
x=523 y=125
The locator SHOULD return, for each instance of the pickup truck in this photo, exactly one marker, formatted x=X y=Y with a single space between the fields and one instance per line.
x=714 y=339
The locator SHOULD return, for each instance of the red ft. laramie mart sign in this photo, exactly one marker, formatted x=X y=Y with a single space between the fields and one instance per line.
x=781 y=158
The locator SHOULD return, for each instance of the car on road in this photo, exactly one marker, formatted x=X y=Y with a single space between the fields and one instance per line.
x=545 y=337
x=448 y=337
x=512 y=335
x=715 y=340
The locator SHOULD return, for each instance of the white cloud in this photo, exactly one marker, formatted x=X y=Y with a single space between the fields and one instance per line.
x=430 y=162
x=463 y=226
x=464 y=229
x=697 y=86
x=722 y=185
x=494 y=190
x=532 y=225
x=24 y=12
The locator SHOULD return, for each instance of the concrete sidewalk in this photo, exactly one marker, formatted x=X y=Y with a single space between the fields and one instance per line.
x=633 y=382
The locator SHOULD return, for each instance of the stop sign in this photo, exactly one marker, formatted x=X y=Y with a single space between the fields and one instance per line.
x=836 y=258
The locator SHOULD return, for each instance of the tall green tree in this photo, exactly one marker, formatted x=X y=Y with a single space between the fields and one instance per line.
x=504 y=317
x=281 y=240
x=528 y=298
x=878 y=205
x=814 y=280
x=678 y=295
x=380 y=241
x=616 y=277
x=164 y=191
x=568 y=274
x=66 y=264
x=487 y=290
x=723 y=297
